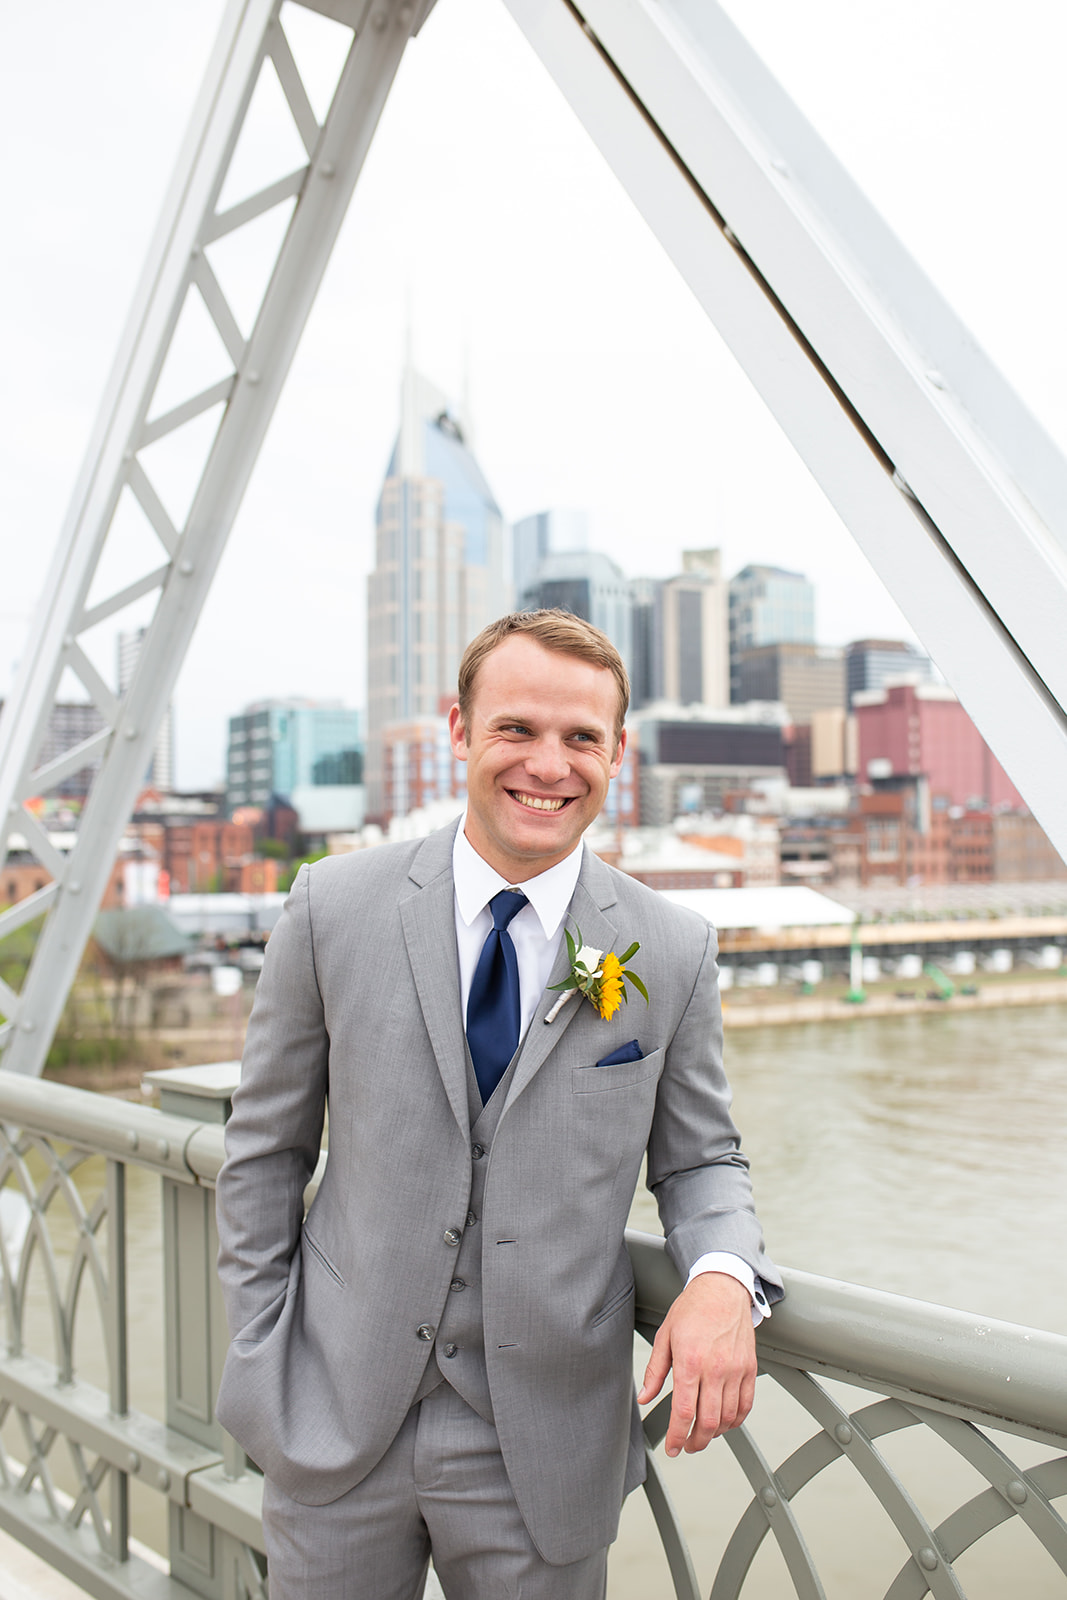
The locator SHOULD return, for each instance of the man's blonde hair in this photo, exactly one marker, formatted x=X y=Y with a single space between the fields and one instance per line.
x=554 y=630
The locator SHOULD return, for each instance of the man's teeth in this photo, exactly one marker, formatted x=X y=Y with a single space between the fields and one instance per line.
x=539 y=802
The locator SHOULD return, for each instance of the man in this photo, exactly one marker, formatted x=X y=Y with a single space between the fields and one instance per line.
x=440 y=1356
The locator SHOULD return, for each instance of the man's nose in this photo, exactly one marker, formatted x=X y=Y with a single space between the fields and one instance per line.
x=548 y=761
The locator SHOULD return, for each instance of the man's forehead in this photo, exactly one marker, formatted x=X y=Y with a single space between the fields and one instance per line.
x=520 y=653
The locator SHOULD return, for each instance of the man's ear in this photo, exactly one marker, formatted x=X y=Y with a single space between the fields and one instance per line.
x=616 y=760
x=457 y=734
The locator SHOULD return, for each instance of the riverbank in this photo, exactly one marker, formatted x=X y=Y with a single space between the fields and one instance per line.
x=739 y=1011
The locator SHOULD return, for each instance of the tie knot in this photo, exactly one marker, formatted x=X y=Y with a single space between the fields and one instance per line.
x=505 y=905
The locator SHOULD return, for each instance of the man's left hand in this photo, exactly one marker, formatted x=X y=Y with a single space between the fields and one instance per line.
x=708 y=1338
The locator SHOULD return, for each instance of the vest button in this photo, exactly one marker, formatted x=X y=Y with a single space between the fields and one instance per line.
x=458 y=1283
x=425 y=1331
x=471 y=1219
x=451 y=1350
x=452 y=1236
x=477 y=1151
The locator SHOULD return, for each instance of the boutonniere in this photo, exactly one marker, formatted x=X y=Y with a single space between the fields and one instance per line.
x=600 y=975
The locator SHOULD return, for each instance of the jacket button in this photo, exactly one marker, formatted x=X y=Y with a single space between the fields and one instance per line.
x=471 y=1219
x=477 y=1151
x=451 y=1350
x=458 y=1283
x=452 y=1237
x=426 y=1331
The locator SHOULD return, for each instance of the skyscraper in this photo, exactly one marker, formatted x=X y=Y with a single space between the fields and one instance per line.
x=160 y=774
x=768 y=605
x=588 y=585
x=872 y=663
x=695 y=636
x=536 y=537
x=439 y=573
x=646 y=670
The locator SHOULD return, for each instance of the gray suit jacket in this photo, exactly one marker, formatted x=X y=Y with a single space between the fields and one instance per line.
x=358 y=1004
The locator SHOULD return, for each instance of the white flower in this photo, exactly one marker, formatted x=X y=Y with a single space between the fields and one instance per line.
x=587 y=961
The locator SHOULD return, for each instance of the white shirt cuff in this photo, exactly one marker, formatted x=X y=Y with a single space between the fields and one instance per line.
x=734 y=1267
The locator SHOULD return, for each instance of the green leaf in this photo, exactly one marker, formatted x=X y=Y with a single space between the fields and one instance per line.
x=638 y=985
x=572 y=948
x=628 y=955
x=568 y=983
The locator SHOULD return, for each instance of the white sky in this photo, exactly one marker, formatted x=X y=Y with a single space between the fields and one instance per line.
x=596 y=381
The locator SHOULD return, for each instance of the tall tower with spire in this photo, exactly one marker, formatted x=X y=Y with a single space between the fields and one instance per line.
x=439 y=575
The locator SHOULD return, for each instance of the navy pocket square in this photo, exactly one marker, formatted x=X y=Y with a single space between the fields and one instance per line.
x=625 y=1052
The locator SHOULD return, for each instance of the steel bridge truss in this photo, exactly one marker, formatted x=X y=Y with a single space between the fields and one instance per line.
x=952 y=490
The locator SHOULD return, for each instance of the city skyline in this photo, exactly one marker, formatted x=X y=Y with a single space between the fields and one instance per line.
x=595 y=380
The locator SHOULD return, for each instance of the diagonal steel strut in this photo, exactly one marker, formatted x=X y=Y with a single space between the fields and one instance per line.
x=251 y=41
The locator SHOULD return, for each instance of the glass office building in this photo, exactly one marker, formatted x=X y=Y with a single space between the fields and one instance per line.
x=768 y=605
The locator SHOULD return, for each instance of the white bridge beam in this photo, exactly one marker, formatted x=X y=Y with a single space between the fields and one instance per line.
x=951 y=488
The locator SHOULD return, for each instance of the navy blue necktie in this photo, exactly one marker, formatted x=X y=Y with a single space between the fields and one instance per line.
x=493 y=1016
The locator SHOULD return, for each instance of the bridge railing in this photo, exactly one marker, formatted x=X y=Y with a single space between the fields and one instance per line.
x=860 y=1369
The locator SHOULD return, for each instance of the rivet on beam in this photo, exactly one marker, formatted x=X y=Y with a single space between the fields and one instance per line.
x=928 y=1559
x=843 y=1433
x=768 y=1497
x=1017 y=1492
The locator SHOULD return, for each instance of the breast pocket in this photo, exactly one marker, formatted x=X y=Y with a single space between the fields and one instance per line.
x=624 y=1075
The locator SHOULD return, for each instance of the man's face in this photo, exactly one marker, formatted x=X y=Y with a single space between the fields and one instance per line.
x=540 y=750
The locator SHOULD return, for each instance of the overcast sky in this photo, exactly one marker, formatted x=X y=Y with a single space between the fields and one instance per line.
x=595 y=379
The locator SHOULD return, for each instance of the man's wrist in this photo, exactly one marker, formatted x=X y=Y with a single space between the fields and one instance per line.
x=734 y=1267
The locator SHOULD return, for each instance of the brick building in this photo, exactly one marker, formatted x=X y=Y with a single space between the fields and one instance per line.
x=921 y=730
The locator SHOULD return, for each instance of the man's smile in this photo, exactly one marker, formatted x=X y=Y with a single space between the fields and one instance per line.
x=540 y=802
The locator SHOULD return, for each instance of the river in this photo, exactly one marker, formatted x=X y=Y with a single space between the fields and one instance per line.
x=921 y=1154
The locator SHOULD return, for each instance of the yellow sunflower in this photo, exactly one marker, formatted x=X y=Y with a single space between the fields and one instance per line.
x=610 y=997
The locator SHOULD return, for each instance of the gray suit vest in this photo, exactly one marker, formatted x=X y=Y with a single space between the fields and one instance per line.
x=459 y=1347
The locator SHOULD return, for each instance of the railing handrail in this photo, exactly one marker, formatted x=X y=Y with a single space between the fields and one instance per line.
x=1001 y=1373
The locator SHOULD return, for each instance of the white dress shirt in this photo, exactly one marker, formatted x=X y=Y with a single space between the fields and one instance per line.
x=536 y=932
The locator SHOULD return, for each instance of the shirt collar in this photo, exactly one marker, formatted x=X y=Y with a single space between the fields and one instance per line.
x=476 y=883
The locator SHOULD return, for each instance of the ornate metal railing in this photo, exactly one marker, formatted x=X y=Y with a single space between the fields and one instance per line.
x=983 y=1398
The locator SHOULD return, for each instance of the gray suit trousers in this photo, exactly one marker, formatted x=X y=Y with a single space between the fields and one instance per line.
x=443 y=1483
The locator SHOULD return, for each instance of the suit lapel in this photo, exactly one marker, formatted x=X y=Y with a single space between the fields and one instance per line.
x=427 y=917
x=594 y=894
